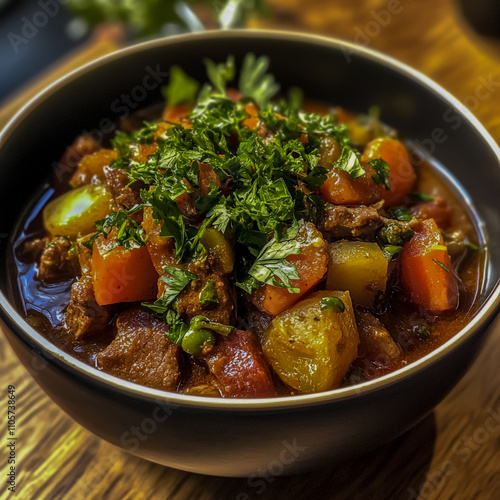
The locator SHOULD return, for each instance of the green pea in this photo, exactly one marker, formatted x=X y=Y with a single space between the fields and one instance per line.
x=194 y=340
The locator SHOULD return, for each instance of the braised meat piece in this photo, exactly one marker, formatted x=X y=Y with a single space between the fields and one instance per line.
x=341 y=222
x=84 y=315
x=239 y=367
x=376 y=344
x=189 y=303
x=58 y=262
x=117 y=183
x=81 y=146
x=141 y=352
x=162 y=252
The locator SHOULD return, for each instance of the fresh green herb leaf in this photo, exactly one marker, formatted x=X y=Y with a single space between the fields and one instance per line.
x=251 y=238
x=249 y=284
x=208 y=294
x=396 y=234
x=254 y=82
x=163 y=308
x=121 y=142
x=175 y=281
x=349 y=162
x=220 y=74
x=177 y=328
x=440 y=264
x=317 y=176
x=271 y=266
x=401 y=214
x=181 y=88
x=421 y=197
x=129 y=233
x=332 y=303
x=295 y=99
x=382 y=168
x=391 y=251
x=472 y=246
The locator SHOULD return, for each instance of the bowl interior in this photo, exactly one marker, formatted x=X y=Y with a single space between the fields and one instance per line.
x=96 y=96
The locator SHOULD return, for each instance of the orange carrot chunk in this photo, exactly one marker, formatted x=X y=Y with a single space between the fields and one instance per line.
x=252 y=111
x=341 y=189
x=426 y=271
x=175 y=114
x=122 y=275
x=311 y=266
x=402 y=176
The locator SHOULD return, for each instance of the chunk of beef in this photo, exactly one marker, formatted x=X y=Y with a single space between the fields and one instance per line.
x=117 y=183
x=239 y=367
x=378 y=352
x=189 y=305
x=341 y=222
x=32 y=250
x=81 y=146
x=90 y=170
x=84 y=315
x=141 y=352
x=162 y=252
x=57 y=260
x=376 y=343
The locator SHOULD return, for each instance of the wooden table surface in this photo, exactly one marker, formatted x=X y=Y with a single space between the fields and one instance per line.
x=452 y=454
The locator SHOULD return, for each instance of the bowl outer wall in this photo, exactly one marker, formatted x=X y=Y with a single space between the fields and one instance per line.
x=360 y=421
x=247 y=442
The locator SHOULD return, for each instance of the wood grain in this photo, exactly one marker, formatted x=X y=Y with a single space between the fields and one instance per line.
x=451 y=455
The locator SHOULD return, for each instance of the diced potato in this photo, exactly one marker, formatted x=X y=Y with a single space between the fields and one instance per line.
x=359 y=267
x=217 y=244
x=76 y=211
x=311 y=347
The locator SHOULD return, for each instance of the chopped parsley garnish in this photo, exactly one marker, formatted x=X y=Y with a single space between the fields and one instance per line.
x=441 y=265
x=255 y=184
x=349 y=162
x=472 y=246
x=255 y=82
x=401 y=214
x=175 y=282
x=391 y=251
x=181 y=88
x=144 y=135
x=129 y=233
x=220 y=74
x=382 y=168
x=332 y=303
x=317 y=176
x=208 y=294
x=271 y=266
x=396 y=234
x=421 y=197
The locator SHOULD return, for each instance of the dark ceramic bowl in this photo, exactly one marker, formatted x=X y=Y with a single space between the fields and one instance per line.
x=241 y=437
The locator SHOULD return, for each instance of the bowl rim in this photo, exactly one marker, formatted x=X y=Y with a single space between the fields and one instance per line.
x=482 y=317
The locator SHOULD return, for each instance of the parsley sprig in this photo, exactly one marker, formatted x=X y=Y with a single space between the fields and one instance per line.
x=129 y=233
